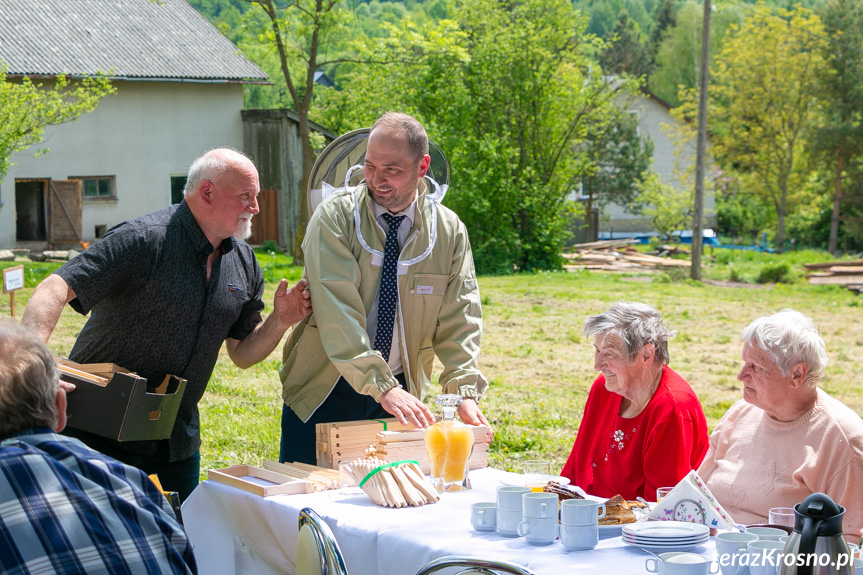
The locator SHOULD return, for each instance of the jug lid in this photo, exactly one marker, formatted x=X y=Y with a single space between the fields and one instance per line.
x=822 y=509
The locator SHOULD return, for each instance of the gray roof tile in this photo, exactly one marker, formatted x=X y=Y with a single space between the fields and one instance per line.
x=167 y=39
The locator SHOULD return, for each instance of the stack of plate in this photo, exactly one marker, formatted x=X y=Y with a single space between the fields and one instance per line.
x=663 y=536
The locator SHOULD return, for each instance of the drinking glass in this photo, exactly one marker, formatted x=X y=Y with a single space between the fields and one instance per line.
x=536 y=474
x=347 y=483
x=781 y=516
x=662 y=492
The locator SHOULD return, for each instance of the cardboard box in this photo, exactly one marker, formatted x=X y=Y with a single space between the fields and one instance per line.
x=122 y=409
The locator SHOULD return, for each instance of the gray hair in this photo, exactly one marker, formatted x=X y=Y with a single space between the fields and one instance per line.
x=209 y=167
x=410 y=128
x=29 y=381
x=789 y=338
x=636 y=325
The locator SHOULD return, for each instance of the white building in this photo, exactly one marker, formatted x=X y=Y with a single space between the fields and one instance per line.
x=654 y=122
x=179 y=93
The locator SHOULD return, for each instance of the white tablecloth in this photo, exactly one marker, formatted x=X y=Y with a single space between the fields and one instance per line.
x=235 y=532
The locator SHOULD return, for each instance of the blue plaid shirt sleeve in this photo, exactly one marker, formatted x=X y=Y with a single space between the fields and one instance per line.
x=65 y=508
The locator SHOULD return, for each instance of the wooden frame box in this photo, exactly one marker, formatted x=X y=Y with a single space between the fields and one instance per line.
x=122 y=408
x=279 y=484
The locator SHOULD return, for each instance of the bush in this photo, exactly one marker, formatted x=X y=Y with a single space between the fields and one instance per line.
x=775 y=273
x=271 y=246
x=733 y=273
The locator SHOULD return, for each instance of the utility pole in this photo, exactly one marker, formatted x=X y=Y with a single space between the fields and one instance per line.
x=701 y=148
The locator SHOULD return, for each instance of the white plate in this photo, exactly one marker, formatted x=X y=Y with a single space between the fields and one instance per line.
x=661 y=529
x=663 y=548
x=517 y=480
x=664 y=542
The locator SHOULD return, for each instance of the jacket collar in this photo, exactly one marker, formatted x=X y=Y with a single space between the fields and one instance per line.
x=196 y=234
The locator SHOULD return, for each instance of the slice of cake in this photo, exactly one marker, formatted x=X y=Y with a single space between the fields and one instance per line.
x=619 y=511
x=563 y=491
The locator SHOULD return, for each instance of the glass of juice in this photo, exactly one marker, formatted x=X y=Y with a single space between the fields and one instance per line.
x=536 y=474
x=449 y=444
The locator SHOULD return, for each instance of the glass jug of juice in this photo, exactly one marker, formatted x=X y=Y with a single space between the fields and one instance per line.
x=449 y=444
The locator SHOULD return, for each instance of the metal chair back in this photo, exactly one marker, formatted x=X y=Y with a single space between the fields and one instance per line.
x=474 y=565
x=313 y=529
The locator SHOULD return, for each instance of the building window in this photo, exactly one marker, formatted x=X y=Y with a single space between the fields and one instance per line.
x=177 y=185
x=97 y=187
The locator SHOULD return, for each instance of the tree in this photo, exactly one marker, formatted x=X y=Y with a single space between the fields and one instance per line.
x=840 y=139
x=676 y=59
x=26 y=108
x=303 y=32
x=619 y=163
x=505 y=90
x=626 y=54
x=668 y=207
x=762 y=103
x=666 y=19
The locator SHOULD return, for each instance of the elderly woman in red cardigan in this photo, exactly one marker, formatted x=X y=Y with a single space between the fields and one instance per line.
x=643 y=426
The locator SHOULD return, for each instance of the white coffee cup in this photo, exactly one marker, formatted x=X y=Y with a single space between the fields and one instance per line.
x=507 y=522
x=509 y=498
x=767 y=533
x=579 y=537
x=730 y=547
x=681 y=564
x=539 y=505
x=765 y=557
x=483 y=516
x=538 y=530
x=581 y=511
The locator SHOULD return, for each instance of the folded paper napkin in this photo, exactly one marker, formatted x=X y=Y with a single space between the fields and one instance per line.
x=691 y=501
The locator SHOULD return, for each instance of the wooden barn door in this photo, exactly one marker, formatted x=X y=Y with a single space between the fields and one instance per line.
x=265 y=225
x=64 y=212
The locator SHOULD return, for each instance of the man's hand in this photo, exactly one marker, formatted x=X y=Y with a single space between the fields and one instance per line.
x=406 y=408
x=470 y=413
x=292 y=305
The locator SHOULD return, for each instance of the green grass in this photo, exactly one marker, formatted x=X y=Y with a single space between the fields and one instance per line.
x=539 y=363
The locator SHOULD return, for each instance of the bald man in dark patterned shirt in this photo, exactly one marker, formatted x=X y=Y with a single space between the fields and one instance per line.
x=164 y=292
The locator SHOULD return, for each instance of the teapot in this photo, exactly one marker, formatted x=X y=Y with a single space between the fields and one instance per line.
x=817 y=542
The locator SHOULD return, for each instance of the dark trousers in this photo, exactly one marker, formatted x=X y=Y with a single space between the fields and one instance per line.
x=343 y=404
x=181 y=476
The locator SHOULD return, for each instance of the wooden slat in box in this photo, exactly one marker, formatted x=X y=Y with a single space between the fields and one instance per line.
x=237 y=476
x=123 y=410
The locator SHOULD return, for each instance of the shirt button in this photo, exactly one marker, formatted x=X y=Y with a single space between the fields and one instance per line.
x=594 y=464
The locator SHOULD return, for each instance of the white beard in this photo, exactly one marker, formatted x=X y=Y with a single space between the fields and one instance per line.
x=244 y=229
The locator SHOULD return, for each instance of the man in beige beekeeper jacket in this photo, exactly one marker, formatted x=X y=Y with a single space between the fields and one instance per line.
x=388 y=298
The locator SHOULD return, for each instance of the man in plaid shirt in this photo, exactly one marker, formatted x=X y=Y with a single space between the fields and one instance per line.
x=65 y=508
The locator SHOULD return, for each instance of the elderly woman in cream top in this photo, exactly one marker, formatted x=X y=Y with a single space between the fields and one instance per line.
x=787 y=438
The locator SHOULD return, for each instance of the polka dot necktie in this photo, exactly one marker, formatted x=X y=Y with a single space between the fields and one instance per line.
x=388 y=291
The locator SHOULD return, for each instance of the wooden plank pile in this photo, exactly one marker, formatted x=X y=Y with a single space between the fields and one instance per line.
x=848 y=273
x=350 y=440
x=344 y=440
x=321 y=478
x=612 y=255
